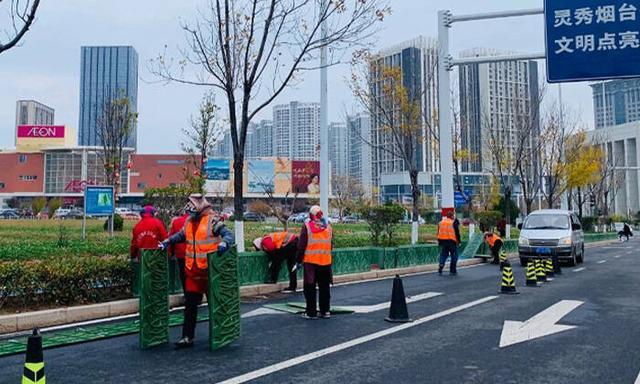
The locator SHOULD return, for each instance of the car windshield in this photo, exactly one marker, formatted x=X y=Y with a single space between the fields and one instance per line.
x=549 y=221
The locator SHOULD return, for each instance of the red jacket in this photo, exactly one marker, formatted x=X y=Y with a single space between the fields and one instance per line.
x=179 y=249
x=146 y=235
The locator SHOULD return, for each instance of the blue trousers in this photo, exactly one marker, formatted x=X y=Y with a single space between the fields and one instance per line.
x=449 y=248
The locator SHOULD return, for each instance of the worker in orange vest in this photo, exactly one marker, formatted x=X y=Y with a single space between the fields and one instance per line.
x=203 y=233
x=495 y=244
x=314 y=252
x=280 y=246
x=448 y=239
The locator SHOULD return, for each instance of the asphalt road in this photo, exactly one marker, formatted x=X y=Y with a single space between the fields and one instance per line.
x=594 y=310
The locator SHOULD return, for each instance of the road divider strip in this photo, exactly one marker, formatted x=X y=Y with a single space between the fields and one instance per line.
x=352 y=343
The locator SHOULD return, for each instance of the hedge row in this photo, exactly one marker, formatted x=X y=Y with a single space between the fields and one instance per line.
x=63 y=281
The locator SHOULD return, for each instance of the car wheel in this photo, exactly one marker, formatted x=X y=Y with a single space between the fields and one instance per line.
x=523 y=261
x=581 y=257
x=574 y=260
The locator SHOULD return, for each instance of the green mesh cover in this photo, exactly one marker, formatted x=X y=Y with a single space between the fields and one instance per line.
x=224 y=299
x=154 y=303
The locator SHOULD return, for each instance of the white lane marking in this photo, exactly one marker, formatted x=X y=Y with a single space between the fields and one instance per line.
x=540 y=325
x=579 y=269
x=381 y=306
x=260 y=312
x=352 y=343
x=617 y=256
x=602 y=261
x=637 y=379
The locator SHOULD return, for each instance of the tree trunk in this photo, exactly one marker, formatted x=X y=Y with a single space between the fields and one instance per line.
x=238 y=200
x=580 y=203
x=528 y=203
x=415 y=193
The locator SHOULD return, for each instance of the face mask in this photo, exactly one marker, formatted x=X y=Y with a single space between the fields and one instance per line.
x=193 y=214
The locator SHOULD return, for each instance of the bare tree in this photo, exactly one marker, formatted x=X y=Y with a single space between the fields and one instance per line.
x=115 y=125
x=512 y=140
x=556 y=126
x=252 y=50
x=22 y=14
x=201 y=135
x=399 y=112
x=347 y=193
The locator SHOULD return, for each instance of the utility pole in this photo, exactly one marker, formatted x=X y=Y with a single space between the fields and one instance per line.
x=324 y=118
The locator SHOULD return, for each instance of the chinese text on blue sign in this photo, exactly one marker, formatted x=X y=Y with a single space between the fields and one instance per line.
x=592 y=39
x=98 y=201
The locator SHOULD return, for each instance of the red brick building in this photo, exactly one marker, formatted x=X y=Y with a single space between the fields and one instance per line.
x=21 y=173
x=157 y=171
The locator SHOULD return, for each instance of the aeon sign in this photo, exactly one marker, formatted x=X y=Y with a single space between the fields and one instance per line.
x=41 y=131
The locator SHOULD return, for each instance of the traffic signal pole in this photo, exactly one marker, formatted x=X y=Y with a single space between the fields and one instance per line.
x=445 y=65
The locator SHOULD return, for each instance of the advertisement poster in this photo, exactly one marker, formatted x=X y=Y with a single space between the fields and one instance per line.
x=305 y=177
x=99 y=200
x=218 y=169
x=261 y=175
x=283 y=175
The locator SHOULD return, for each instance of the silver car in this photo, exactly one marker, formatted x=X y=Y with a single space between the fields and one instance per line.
x=551 y=232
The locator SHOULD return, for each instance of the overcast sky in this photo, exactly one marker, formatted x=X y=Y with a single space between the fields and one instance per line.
x=46 y=67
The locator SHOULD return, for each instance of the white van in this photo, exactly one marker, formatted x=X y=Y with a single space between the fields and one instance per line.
x=550 y=232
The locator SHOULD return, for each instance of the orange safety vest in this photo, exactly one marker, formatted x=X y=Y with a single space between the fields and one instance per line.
x=446 y=231
x=492 y=240
x=318 y=250
x=200 y=242
x=280 y=238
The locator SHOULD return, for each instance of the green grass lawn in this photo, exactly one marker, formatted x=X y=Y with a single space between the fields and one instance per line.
x=37 y=239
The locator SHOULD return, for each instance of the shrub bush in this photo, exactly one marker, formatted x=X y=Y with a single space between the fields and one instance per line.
x=63 y=281
x=488 y=219
x=118 y=223
x=588 y=223
x=382 y=220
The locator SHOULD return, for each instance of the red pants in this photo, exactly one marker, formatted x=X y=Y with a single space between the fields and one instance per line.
x=197 y=280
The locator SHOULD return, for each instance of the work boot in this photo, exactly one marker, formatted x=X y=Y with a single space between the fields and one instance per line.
x=289 y=290
x=440 y=269
x=307 y=317
x=185 y=342
x=325 y=315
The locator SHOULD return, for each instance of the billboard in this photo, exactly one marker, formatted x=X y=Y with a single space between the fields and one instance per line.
x=218 y=169
x=591 y=40
x=99 y=200
x=305 y=177
x=41 y=131
x=261 y=176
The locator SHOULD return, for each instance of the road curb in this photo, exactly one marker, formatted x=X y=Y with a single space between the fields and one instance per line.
x=68 y=315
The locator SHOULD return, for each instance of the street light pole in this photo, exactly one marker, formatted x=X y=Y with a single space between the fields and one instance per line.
x=444 y=117
x=324 y=118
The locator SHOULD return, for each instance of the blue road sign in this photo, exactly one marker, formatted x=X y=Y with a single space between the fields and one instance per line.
x=99 y=200
x=592 y=39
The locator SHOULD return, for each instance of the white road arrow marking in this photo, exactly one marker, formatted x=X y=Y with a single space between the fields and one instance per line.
x=638 y=379
x=540 y=325
x=260 y=312
x=381 y=306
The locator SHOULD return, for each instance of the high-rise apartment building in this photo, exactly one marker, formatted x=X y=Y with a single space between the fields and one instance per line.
x=359 y=150
x=339 y=149
x=417 y=59
x=223 y=148
x=260 y=139
x=498 y=101
x=106 y=73
x=31 y=112
x=621 y=104
x=296 y=130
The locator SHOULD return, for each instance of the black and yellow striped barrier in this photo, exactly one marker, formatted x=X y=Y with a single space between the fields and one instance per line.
x=508 y=280
x=532 y=280
x=34 y=365
x=549 y=267
x=541 y=274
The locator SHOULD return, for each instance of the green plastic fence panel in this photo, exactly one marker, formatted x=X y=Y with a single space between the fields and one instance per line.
x=350 y=260
x=376 y=257
x=595 y=237
x=135 y=277
x=154 y=303
x=175 y=284
x=390 y=256
x=224 y=299
x=252 y=267
x=472 y=247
